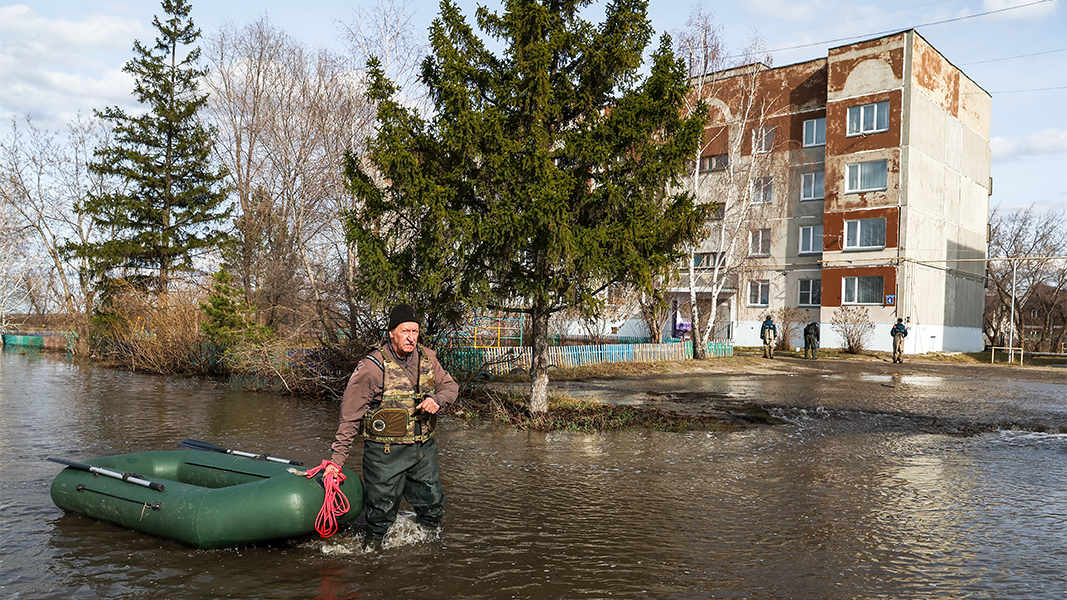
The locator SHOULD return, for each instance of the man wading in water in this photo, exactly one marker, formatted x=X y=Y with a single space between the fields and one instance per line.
x=392 y=399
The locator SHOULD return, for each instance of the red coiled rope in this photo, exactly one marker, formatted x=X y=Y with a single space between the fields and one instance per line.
x=334 y=504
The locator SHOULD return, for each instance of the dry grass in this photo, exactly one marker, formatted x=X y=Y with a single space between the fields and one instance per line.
x=157 y=333
x=568 y=413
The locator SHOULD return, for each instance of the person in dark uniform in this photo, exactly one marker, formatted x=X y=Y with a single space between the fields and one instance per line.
x=392 y=400
x=811 y=339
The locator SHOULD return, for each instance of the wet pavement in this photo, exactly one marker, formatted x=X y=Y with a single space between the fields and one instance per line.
x=923 y=396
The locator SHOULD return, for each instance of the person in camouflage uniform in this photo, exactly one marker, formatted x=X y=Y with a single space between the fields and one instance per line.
x=899 y=332
x=392 y=400
x=769 y=334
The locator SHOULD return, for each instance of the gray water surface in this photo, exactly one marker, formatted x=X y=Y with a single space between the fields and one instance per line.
x=819 y=507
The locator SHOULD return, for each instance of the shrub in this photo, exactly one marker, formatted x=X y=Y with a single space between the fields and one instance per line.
x=853 y=324
x=154 y=332
x=789 y=319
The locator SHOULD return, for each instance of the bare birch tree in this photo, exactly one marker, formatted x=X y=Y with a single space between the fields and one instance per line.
x=385 y=31
x=735 y=166
x=46 y=181
x=12 y=259
x=701 y=47
x=290 y=113
x=243 y=78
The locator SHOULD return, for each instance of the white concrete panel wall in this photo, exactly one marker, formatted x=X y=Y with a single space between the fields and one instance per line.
x=879 y=341
x=935 y=338
x=746 y=333
x=921 y=338
x=634 y=327
x=963 y=339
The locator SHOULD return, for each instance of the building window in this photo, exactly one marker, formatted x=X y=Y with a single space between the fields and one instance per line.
x=812 y=185
x=865 y=234
x=763 y=140
x=759 y=242
x=868 y=118
x=707 y=260
x=815 y=132
x=719 y=162
x=810 y=292
x=762 y=190
x=811 y=239
x=867 y=176
x=862 y=290
x=759 y=293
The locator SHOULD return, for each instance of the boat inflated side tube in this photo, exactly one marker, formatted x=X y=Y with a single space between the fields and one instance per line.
x=210 y=500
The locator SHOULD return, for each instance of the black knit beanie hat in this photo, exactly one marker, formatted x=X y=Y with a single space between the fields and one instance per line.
x=402 y=313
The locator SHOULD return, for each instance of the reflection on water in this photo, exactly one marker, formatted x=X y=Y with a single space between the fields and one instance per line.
x=817 y=508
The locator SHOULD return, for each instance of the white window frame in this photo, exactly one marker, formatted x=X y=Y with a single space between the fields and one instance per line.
x=759 y=242
x=812 y=234
x=706 y=260
x=815 y=132
x=715 y=162
x=812 y=186
x=763 y=190
x=763 y=140
x=850 y=287
x=858 y=176
x=813 y=295
x=856 y=229
x=761 y=290
x=868 y=118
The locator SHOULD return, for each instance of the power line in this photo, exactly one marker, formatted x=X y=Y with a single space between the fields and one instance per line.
x=982 y=62
x=1062 y=87
x=879 y=33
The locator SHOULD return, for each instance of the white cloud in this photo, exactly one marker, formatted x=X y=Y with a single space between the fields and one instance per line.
x=35 y=37
x=784 y=9
x=54 y=68
x=1048 y=141
x=1030 y=12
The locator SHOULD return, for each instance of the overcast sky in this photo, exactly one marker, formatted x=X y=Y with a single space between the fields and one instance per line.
x=62 y=57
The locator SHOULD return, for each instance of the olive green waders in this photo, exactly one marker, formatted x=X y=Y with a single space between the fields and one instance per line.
x=390 y=470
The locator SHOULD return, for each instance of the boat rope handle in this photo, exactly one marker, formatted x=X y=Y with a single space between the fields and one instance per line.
x=335 y=503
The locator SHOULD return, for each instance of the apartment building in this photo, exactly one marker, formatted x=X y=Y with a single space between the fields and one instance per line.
x=860 y=179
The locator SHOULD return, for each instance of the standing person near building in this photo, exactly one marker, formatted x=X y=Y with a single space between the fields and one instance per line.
x=392 y=399
x=768 y=333
x=811 y=339
x=899 y=332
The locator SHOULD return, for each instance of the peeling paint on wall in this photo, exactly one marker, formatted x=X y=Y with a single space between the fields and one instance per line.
x=933 y=134
x=844 y=60
x=831 y=282
x=833 y=237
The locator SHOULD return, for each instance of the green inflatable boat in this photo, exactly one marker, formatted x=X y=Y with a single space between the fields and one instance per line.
x=198 y=497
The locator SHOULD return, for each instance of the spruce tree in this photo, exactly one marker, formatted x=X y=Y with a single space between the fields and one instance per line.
x=173 y=201
x=546 y=173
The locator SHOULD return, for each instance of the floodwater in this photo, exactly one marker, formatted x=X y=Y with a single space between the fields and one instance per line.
x=823 y=506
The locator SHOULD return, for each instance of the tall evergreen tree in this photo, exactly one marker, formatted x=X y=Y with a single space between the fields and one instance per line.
x=546 y=173
x=173 y=202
